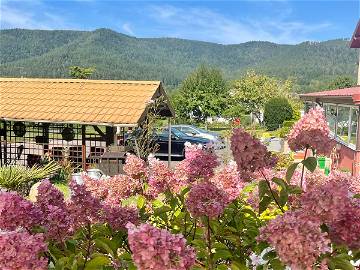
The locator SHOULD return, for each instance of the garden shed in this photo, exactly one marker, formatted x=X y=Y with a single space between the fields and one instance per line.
x=73 y=118
x=342 y=113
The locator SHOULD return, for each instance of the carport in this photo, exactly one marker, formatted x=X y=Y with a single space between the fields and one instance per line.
x=70 y=118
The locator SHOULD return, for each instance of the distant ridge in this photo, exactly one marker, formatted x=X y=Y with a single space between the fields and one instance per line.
x=49 y=53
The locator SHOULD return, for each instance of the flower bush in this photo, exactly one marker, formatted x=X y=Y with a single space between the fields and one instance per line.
x=203 y=214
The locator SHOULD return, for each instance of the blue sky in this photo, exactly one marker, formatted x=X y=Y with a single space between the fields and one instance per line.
x=226 y=22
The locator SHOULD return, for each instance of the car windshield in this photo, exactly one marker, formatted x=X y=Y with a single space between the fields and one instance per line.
x=175 y=131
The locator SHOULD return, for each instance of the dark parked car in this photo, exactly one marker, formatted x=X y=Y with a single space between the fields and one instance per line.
x=178 y=140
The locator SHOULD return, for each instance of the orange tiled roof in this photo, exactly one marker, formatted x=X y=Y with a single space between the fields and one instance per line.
x=76 y=101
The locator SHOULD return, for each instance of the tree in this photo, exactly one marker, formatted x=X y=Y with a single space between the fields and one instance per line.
x=341 y=82
x=277 y=110
x=254 y=90
x=81 y=72
x=202 y=94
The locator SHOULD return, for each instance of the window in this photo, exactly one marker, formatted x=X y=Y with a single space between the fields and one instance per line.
x=342 y=130
x=343 y=122
x=330 y=113
x=353 y=125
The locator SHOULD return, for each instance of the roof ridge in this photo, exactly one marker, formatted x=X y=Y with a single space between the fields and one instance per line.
x=70 y=80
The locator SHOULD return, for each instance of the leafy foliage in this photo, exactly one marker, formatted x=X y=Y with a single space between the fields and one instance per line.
x=202 y=94
x=277 y=110
x=81 y=72
x=342 y=82
x=254 y=90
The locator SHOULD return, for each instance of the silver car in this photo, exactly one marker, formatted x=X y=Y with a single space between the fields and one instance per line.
x=214 y=137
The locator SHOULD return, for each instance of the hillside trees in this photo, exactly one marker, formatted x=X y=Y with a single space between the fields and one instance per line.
x=202 y=94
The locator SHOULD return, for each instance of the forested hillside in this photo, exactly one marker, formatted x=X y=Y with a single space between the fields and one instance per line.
x=41 y=53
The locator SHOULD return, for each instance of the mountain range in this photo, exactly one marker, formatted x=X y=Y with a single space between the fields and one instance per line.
x=50 y=53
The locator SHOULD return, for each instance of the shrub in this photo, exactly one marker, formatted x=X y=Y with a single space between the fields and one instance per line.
x=277 y=110
x=20 y=178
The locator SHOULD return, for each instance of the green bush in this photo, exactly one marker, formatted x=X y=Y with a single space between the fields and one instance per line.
x=277 y=110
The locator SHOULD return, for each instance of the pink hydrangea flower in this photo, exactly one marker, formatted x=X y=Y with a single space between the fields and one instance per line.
x=21 y=250
x=249 y=153
x=228 y=180
x=15 y=212
x=121 y=187
x=117 y=216
x=326 y=202
x=346 y=230
x=205 y=199
x=98 y=189
x=57 y=221
x=161 y=178
x=199 y=163
x=135 y=167
x=155 y=248
x=297 y=241
x=311 y=131
x=84 y=209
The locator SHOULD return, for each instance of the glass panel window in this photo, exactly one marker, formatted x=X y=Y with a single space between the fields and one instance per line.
x=353 y=126
x=330 y=113
x=343 y=124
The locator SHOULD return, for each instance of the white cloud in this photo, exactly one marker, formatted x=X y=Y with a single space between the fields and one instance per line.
x=15 y=17
x=205 y=24
x=127 y=28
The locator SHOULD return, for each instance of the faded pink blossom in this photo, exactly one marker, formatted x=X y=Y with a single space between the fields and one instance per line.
x=161 y=178
x=155 y=248
x=56 y=219
x=135 y=167
x=121 y=187
x=98 y=188
x=199 y=163
x=311 y=131
x=249 y=153
x=22 y=251
x=228 y=180
x=297 y=241
x=346 y=230
x=205 y=199
x=15 y=212
x=84 y=209
x=326 y=202
x=117 y=216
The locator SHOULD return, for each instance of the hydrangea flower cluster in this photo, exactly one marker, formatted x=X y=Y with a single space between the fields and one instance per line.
x=326 y=202
x=121 y=187
x=205 y=199
x=56 y=219
x=249 y=153
x=99 y=189
x=297 y=241
x=199 y=163
x=135 y=167
x=83 y=208
x=345 y=231
x=161 y=178
x=21 y=250
x=15 y=212
x=228 y=180
x=311 y=131
x=117 y=216
x=155 y=248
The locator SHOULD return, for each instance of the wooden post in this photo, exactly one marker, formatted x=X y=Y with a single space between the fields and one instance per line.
x=169 y=145
x=83 y=148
